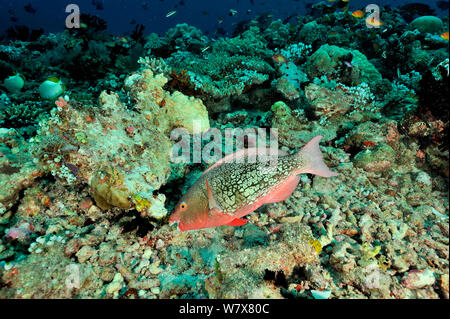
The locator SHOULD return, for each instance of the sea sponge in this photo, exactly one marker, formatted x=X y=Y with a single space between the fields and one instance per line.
x=430 y=24
x=51 y=88
x=164 y=109
x=108 y=193
x=14 y=83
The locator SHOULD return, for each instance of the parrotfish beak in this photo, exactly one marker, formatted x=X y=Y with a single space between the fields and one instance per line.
x=177 y=222
x=173 y=219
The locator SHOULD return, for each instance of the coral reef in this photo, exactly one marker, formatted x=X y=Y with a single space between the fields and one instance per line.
x=87 y=180
x=430 y=24
x=350 y=67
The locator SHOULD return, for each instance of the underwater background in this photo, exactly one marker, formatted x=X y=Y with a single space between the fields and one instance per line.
x=88 y=181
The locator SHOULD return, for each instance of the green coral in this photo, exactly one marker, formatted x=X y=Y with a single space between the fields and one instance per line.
x=348 y=66
x=141 y=203
x=430 y=24
x=368 y=252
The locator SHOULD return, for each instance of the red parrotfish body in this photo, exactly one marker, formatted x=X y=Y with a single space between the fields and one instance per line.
x=231 y=189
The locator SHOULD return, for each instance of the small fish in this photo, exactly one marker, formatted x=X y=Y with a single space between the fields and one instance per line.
x=444 y=35
x=145 y=5
x=171 y=13
x=374 y=22
x=122 y=39
x=205 y=13
x=280 y=58
x=369 y=143
x=232 y=12
x=29 y=8
x=231 y=188
x=358 y=14
x=204 y=49
x=220 y=20
x=133 y=21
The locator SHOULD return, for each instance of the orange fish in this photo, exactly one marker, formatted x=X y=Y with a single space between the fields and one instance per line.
x=358 y=14
x=234 y=186
x=369 y=143
x=280 y=58
x=374 y=22
x=444 y=36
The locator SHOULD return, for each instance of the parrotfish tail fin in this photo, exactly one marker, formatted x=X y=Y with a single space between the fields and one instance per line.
x=313 y=160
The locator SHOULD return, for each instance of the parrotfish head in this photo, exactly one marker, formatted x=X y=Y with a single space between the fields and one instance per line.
x=191 y=212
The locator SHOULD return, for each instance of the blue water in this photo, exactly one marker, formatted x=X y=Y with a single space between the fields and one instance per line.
x=50 y=14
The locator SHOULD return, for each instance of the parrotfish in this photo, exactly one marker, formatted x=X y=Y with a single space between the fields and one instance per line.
x=236 y=186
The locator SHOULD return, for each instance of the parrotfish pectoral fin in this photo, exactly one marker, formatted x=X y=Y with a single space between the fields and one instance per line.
x=212 y=203
x=314 y=160
x=283 y=191
x=237 y=222
x=210 y=196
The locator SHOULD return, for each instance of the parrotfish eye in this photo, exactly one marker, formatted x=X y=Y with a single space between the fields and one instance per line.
x=183 y=205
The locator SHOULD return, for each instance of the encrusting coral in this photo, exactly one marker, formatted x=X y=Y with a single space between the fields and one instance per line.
x=119 y=152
